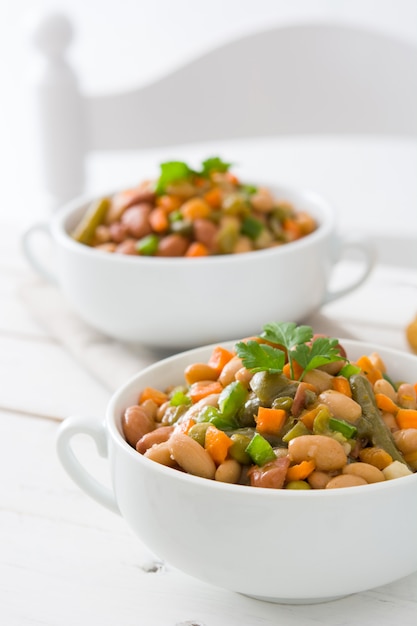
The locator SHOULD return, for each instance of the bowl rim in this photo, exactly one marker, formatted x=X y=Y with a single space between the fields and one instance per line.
x=321 y=209
x=112 y=422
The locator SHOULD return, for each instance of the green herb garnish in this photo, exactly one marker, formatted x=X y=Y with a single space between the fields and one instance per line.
x=171 y=172
x=260 y=357
x=296 y=340
x=174 y=171
x=214 y=164
x=321 y=351
x=288 y=335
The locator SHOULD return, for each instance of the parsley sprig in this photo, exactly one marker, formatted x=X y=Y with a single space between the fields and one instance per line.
x=258 y=357
x=174 y=171
x=298 y=345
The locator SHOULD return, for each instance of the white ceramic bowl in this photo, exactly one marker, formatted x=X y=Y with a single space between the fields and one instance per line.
x=182 y=302
x=276 y=545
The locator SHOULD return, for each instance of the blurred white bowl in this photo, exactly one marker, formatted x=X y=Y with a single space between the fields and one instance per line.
x=184 y=302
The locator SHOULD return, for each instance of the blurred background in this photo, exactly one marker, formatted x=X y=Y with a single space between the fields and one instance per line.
x=122 y=43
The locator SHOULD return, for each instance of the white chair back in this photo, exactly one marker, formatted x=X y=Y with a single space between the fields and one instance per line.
x=316 y=78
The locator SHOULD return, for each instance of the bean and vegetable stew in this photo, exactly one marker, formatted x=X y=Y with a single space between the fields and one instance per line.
x=189 y=213
x=285 y=410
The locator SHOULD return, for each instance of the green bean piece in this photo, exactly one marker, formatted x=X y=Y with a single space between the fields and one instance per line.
x=321 y=421
x=269 y=386
x=235 y=204
x=198 y=432
x=94 y=216
x=238 y=448
x=296 y=431
x=297 y=484
x=370 y=425
x=347 y=430
x=246 y=414
x=284 y=402
x=227 y=237
x=172 y=414
x=182 y=227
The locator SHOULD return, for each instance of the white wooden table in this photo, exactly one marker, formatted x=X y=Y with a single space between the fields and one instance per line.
x=64 y=560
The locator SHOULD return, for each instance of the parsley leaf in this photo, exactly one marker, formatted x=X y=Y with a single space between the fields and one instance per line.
x=287 y=334
x=260 y=357
x=323 y=350
x=298 y=345
x=214 y=164
x=172 y=171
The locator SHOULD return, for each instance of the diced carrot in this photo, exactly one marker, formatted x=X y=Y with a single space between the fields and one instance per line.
x=415 y=387
x=217 y=444
x=219 y=357
x=270 y=420
x=195 y=249
x=169 y=202
x=406 y=418
x=195 y=208
x=309 y=416
x=298 y=370
x=185 y=426
x=371 y=372
x=158 y=220
x=384 y=403
x=204 y=388
x=341 y=384
x=213 y=197
x=292 y=228
x=150 y=393
x=301 y=470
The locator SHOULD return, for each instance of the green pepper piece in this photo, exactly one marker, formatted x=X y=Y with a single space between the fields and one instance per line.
x=179 y=397
x=370 y=424
x=213 y=415
x=296 y=431
x=148 y=245
x=260 y=451
x=207 y=413
x=349 y=370
x=232 y=398
x=389 y=379
x=347 y=430
x=251 y=227
x=94 y=216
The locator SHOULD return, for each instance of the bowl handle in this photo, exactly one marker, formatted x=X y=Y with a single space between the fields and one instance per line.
x=37 y=265
x=366 y=251
x=90 y=426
